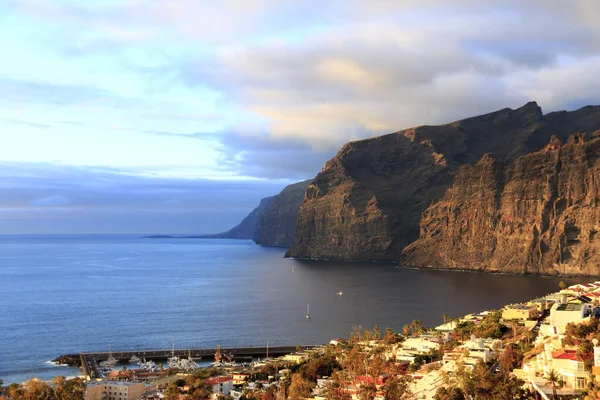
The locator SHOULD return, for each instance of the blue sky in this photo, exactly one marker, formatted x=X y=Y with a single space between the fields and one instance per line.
x=179 y=115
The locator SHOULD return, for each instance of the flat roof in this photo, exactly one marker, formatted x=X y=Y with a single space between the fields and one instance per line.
x=569 y=307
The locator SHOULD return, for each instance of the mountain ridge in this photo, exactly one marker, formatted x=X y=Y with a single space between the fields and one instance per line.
x=366 y=203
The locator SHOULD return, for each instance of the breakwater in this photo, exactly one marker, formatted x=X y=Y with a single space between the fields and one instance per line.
x=89 y=361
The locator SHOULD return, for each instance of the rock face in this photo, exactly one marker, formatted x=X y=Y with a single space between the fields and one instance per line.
x=277 y=224
x=273 y=222
x=367 y=201
x=249 y=225
x=539 y=214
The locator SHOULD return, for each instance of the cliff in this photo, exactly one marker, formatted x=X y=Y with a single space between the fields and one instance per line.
x=277 y=224
x=367 y=201
x=539 y=214
x=273 y=222
x=249 y=225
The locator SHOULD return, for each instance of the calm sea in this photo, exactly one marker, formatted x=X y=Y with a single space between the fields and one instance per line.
x=62 y=294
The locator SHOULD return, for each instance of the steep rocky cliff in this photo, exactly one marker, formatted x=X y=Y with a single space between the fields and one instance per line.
x=367 y=201
x=249 y=225
x=539 y=214
x=277 y=224
x=273 y=222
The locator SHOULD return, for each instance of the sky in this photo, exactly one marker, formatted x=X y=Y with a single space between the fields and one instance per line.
x=178 y=116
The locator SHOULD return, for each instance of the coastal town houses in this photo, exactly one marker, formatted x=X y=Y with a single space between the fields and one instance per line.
x=573 y=370
x=520 y=312
x=474 y=350
x=221 y=385
x=563 y=314
x=114 y=390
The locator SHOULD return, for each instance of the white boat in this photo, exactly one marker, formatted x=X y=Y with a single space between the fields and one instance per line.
x=110 y=362
x=148 y=365
x=308 y=311
x=134 y=359
x=340 y=293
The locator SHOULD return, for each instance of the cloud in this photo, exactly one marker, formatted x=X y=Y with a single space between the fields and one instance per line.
x=113 y=200
x=263 y=156
x=392 y=65
x=51 y=201
x=280 y=85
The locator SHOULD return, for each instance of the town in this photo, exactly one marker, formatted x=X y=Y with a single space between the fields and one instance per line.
x=546 y=348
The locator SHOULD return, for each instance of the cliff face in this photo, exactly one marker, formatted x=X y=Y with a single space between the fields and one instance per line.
x=367 y=201
x=539 y=214
x=273 y=222
x=249 y=225
x=277 y=224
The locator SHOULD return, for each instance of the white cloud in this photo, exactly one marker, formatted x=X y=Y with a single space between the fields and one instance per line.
x=51 y=201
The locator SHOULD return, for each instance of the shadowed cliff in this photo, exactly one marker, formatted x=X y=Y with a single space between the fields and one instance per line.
x=367 y=201
x=538 y=214
x=273 y=222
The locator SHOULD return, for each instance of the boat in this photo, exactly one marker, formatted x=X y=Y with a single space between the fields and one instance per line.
x=148 y=365
x=134 y=359
x=340 y=293
x=174 y=361
x=308 y=311
x=110 y=362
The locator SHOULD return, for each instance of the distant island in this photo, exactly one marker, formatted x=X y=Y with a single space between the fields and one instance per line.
x=180 y=237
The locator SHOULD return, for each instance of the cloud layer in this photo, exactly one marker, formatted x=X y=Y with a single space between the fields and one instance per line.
x=236 y=89
x=58 y=199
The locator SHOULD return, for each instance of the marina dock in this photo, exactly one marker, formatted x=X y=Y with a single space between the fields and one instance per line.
x=90 y=361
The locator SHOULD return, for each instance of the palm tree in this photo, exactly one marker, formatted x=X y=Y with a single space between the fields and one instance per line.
x=554 y=379
x=514 y=323
x=445 y=318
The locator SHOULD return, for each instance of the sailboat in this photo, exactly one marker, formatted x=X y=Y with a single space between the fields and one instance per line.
x=308 y=311
x=110 y=362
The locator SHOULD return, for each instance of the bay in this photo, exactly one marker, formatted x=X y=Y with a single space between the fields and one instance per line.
x=65 y=293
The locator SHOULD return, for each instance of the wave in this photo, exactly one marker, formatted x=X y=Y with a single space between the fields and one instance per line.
x=55 y=364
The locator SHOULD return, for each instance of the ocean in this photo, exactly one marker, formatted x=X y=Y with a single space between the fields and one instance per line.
x=65 y=293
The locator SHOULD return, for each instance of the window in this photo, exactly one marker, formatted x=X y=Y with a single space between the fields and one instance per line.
x=580 y=383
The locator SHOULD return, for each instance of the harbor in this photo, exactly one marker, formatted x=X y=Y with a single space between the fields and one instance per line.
x=92 y=363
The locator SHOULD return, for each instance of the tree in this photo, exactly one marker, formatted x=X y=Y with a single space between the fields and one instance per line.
x=450 y=393
x=390 y=337
x=376 y=333
x=464 y=329
x=335 y=389
x=509 y=359
x=68 y=389
x=514 y=323
x=396 y=388
x=554 y=379
x=367 y=391
x=300 y=388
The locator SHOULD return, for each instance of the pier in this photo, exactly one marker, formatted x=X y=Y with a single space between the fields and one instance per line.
x=91 y=369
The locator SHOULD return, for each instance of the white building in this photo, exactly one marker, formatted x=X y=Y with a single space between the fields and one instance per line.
x=114 y=390
x=414 y=346
x=221 y=384
x=474 y=350
x=563 y=314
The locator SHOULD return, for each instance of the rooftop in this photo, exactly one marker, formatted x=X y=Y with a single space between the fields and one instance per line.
x=570 y=355
x=519 y=307
x=569 y=307
x=218 y=379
